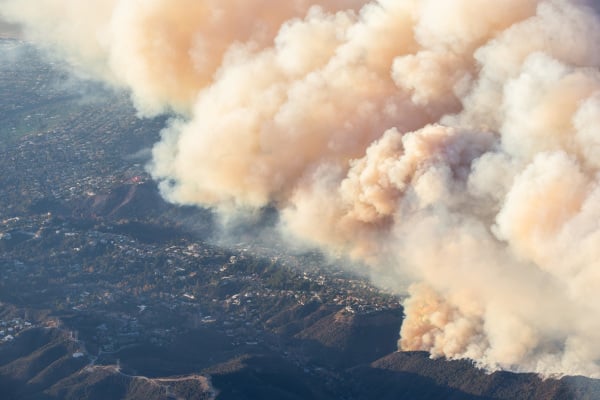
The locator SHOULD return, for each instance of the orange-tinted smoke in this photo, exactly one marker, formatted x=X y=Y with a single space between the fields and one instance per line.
x=451 y=144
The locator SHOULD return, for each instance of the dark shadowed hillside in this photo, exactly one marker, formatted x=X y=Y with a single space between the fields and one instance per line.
x=129 y=201
x=44 y=364
x=413 y=375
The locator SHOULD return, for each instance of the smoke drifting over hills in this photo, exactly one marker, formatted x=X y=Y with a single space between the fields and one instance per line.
x=451 y=143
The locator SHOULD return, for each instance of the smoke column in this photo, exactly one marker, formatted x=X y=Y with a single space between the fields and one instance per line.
x=452 y=145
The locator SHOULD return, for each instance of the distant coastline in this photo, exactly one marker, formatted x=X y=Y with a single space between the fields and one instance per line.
x=10 y=31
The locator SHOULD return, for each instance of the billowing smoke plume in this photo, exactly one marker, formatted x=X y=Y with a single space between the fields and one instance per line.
x=452 y=144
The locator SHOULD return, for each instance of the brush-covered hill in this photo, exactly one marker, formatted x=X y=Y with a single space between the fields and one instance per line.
x=46 y=364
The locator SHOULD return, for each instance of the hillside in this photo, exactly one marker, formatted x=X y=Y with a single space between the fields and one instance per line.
x=323 y=364
x=42 y=364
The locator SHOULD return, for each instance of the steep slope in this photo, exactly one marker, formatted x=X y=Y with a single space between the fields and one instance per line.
x=411 y=375
x=344 y=339
x=39 y=365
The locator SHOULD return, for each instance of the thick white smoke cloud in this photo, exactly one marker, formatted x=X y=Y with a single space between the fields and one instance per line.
x=458 y=138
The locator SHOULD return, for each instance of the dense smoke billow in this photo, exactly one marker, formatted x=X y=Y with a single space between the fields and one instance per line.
x=452 y=144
